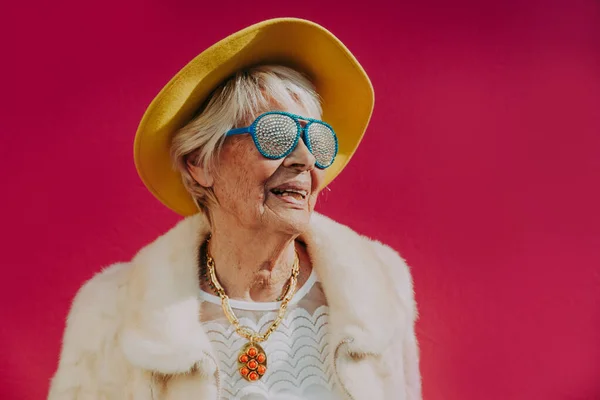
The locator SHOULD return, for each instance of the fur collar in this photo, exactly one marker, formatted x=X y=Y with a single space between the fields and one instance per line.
x=161 y=330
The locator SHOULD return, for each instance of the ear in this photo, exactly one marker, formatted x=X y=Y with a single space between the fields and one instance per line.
x=200 y=174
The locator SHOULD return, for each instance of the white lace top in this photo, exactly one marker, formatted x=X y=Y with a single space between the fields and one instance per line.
x=296 y=351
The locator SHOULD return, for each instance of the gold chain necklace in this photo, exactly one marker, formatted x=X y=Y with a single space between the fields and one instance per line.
x=252 y=359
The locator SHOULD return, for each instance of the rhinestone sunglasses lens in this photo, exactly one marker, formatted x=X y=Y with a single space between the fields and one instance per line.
x=276 y=135
x=322 y=143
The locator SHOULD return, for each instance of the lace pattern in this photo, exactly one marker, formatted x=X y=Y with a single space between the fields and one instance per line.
x=296 y=352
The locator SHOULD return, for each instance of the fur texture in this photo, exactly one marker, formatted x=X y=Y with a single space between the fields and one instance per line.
x=133 y=331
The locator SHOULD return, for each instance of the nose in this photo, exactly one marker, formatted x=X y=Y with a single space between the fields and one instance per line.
x=300 y=158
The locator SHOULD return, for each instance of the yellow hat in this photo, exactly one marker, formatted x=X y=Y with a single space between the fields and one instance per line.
x=340 y=80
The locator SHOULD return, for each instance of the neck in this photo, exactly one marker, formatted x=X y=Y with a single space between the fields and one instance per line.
x=255 y=265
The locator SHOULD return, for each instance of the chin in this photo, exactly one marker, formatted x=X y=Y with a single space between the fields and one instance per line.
x=293 y=221
x=289 y=216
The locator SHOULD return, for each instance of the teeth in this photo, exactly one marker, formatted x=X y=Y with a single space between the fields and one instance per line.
x=302 y=193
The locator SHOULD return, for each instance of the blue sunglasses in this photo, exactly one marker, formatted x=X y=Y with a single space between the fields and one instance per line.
x=276 y=135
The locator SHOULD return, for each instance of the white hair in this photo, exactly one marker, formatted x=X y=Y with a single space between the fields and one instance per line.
x=235 y=103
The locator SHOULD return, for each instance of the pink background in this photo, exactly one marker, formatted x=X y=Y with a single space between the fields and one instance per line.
x=481 y=166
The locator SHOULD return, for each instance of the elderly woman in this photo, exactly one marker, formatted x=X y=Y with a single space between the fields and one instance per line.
x=253 y=295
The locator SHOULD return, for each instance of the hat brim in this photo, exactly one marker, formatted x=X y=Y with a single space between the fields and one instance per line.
x=345 y=89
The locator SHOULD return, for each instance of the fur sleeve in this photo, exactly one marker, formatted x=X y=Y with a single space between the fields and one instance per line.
x=402 y=278
x=88 y=362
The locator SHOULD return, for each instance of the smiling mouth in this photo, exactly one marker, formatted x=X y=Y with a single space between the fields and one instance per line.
x=294 y=193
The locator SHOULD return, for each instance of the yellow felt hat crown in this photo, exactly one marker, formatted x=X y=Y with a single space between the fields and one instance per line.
x=345 y=89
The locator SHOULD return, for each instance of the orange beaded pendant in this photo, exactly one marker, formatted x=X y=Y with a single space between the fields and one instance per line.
x=252 y=362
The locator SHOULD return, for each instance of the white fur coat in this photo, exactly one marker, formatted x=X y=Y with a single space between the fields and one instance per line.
x=133 y=331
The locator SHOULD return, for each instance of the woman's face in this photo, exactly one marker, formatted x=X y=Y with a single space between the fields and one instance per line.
x=262 y=193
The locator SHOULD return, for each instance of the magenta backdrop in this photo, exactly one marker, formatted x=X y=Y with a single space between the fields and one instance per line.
x=481 y=165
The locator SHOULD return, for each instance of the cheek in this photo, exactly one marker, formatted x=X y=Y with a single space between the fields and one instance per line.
x=243 y=173
x=318 y=178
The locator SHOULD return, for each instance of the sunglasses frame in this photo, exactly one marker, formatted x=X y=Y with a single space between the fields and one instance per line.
x=301 y=131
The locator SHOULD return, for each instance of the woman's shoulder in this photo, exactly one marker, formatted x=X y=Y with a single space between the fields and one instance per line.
x=95 y=308
x=341 y=235
x=344 y=239
x=104 y=285
x=104 y=295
